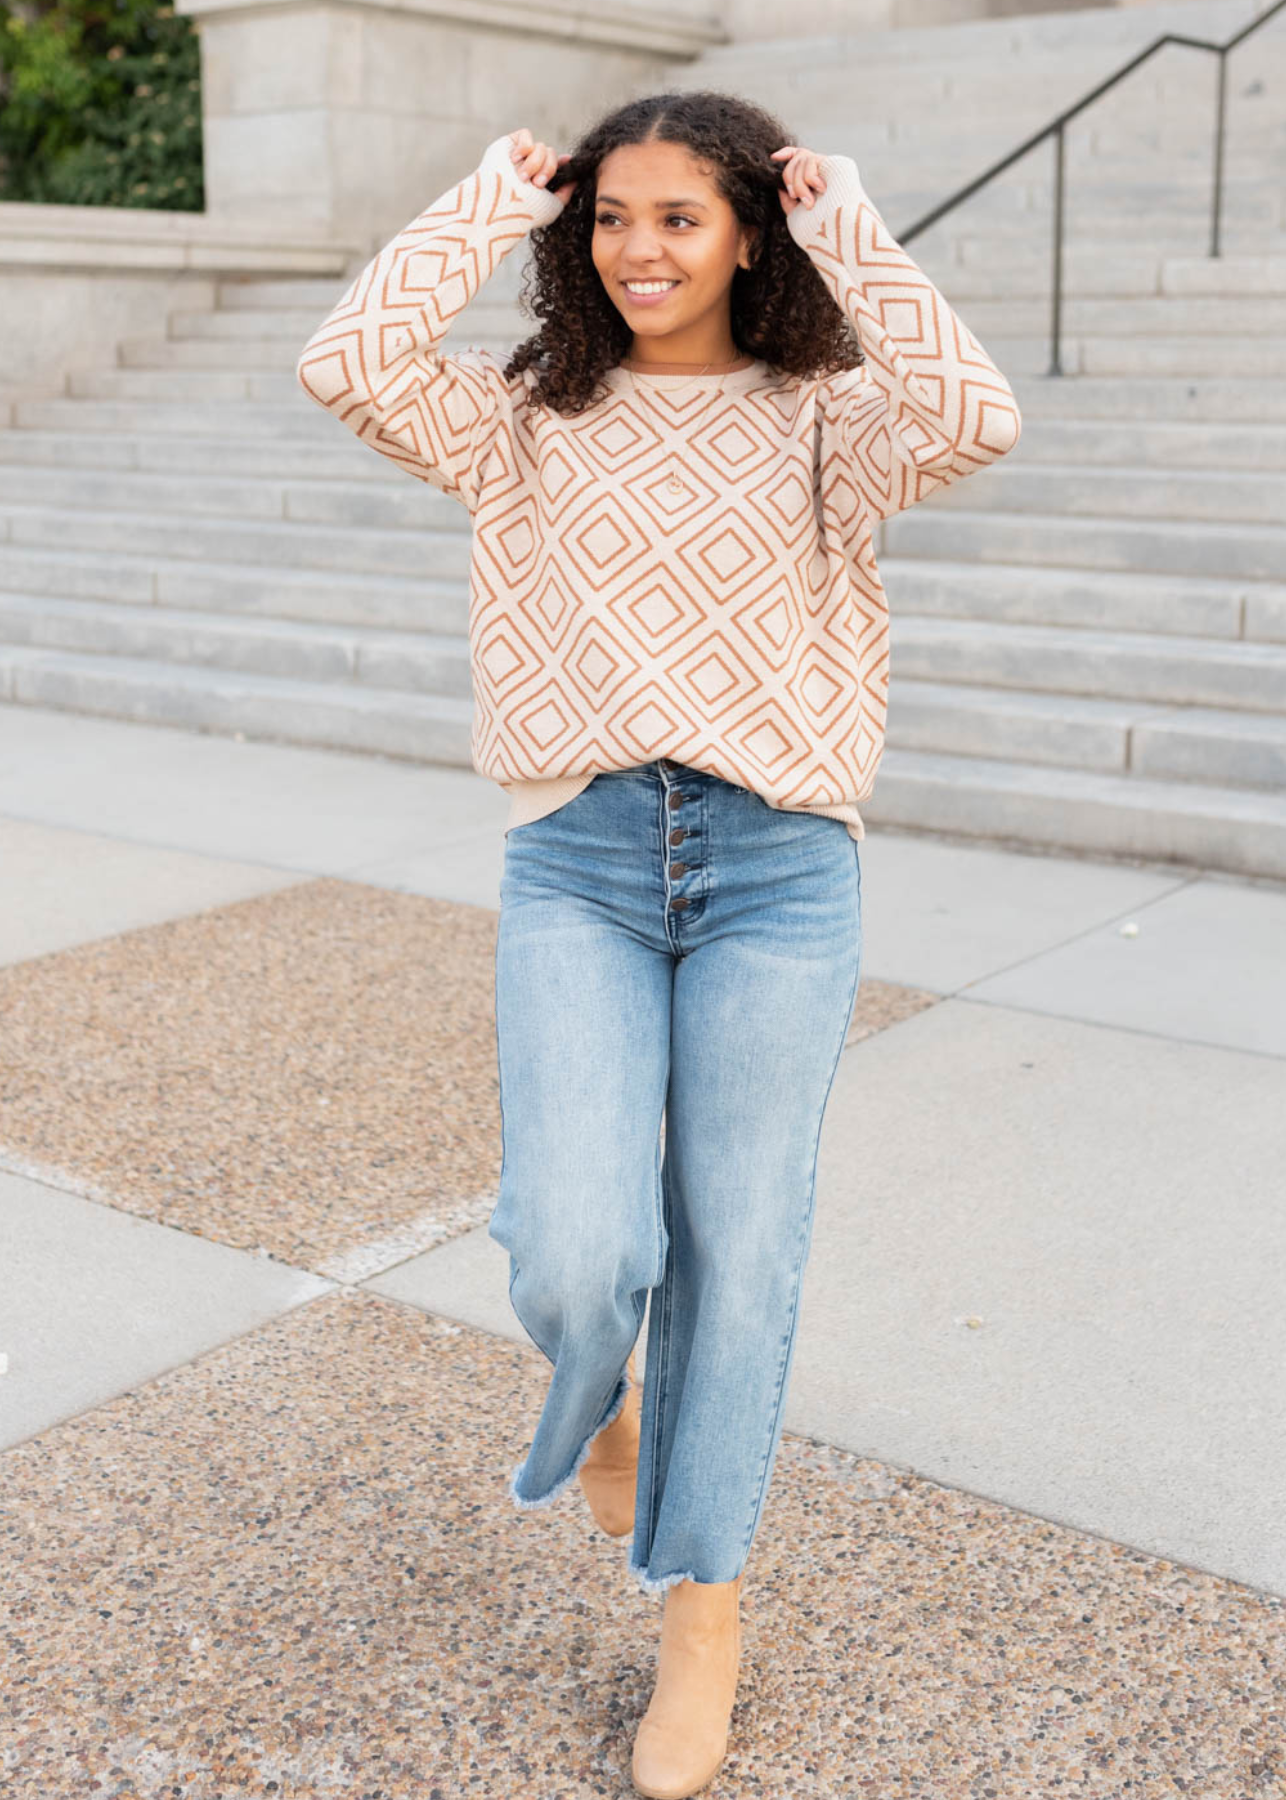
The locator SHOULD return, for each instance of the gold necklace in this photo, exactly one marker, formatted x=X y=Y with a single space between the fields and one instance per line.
x=675 y=483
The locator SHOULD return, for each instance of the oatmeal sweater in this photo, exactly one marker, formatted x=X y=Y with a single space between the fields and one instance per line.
x=685 y=570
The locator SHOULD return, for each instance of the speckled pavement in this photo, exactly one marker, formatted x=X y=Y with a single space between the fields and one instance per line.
x=291 y=1568
x=289 y=1565
x=310 y=1072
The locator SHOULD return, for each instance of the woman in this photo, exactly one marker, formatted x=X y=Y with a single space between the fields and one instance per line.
x=679 y=655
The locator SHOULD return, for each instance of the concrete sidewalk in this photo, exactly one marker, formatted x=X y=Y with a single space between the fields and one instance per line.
x=1036 y=1408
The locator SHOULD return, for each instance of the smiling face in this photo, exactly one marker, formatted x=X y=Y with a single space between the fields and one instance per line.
x=659 y=218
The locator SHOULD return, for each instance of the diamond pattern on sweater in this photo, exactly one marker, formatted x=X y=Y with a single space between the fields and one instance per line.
x=685 y=571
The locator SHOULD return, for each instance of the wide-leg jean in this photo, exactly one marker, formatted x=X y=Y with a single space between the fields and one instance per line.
x=676 y=968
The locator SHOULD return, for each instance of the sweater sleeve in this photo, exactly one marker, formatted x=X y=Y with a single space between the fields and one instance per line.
x=374 y=361
x=928 y=406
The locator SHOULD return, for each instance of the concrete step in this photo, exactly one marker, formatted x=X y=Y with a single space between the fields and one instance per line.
x=1117 y=665
x=1174 y=575
x=1239 y=749
x=1105 y=32
x=1129 y=492
x=964 y=51
x=278 y=350
x=1229 y=276
x=1134 y=737
x=335 y=456
x=1260 y=359
x=1082 y=352
x=1120 y=600
x=145 y=579
x=1007 y=270
x=1014 y=99
x=301 y=292
x=1198 y=398
x=259 y=376
x=1152 y=445
x=1175 y=546
x=233 y=380
x=953 y=142
x=1135 y=491
x=1202 y=823
x=968 y=266
x=189 y=387
x=1144 y=316
x=1263 y=359
x=280 y=419
x=404 y=505
x=995 y=107
x=1172 y=199
x=414 y=661
x=1142 y=282
x=317 y=294
x=1239 y=830
x=1058 y=728
x=421 y=727
x=328 y=454
x=196 y=536
x=1125 y=600
x=1166 y=399
x=295 y=325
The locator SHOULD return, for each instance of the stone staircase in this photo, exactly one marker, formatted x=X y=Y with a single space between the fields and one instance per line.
x=1088 y=641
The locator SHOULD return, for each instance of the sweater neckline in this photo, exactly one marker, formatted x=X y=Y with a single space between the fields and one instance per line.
x=733 y=381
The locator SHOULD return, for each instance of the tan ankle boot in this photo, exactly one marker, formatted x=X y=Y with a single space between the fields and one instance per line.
x=682 y=1738
x=609 y=1474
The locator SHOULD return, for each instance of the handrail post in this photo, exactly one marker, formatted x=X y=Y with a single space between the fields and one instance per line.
x=1055 y=365
x=1219 y=137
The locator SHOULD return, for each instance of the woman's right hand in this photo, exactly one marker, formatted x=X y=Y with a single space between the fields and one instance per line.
x=537 y=162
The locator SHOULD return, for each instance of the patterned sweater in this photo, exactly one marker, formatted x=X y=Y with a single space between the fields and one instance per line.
x=686 y=570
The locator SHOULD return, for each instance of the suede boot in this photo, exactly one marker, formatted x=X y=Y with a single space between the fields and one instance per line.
x=682 y=1738
x=609 y=1474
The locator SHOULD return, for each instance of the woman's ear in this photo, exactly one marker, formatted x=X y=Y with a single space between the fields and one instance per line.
x=748 y=255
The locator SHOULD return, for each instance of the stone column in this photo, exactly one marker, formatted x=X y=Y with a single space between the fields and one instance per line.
x=349 y=115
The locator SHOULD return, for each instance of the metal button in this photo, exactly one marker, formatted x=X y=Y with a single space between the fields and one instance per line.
x=678 y=834
x=677 y=869
x=675 y=904
x=676 y=800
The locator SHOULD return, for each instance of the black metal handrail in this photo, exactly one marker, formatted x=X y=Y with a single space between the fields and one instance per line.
x=1055 y=130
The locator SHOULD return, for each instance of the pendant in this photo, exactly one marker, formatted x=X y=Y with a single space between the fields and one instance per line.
x=675 y=485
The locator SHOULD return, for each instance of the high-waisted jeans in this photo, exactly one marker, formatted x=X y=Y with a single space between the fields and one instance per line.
x=676 y=968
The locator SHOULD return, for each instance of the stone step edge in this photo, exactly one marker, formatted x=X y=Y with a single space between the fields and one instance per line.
x=912 y=628
x=1135 y=793
x=217 y=682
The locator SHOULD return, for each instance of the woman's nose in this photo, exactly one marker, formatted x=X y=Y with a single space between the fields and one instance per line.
x=643 y=246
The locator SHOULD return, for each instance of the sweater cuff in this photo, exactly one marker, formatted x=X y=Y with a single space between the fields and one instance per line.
x=543 y=206
x=843 y=188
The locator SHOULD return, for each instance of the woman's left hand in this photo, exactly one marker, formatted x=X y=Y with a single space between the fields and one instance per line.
x=802 y=176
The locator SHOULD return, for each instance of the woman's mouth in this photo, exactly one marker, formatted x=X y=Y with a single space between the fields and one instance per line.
x=648 y=293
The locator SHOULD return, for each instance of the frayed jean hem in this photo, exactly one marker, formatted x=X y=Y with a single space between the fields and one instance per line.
x=521 y=1500
x=657 y=1584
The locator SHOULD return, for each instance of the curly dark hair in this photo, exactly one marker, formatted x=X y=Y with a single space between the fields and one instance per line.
x=781 y=309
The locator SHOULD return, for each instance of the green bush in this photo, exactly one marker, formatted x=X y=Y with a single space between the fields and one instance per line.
x=100 y=104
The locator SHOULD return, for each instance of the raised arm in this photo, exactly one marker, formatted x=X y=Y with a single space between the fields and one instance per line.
x=929 y=406
x=374 y=360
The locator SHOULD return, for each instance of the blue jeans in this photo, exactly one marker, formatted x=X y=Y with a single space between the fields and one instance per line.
x=674 y=955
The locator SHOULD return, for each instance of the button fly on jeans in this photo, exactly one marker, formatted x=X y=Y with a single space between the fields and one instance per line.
x=681 y=901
